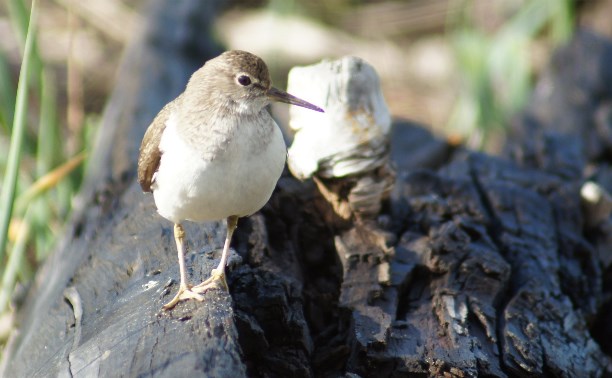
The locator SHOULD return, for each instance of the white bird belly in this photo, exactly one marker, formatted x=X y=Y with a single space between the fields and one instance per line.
x=237 y=182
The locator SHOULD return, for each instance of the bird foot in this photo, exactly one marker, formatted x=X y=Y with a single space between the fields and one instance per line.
x=216 y=277
x=184 y=293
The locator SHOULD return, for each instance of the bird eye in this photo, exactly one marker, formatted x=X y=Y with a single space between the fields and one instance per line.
x=244 y=80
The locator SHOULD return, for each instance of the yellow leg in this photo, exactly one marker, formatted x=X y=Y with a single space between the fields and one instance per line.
x=218 y=275
x=184 y=291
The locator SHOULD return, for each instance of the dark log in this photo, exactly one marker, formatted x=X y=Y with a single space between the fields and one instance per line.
x=477 y=266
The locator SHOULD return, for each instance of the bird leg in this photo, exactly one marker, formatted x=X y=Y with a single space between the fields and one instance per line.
x=218 y=274
x=185 y=291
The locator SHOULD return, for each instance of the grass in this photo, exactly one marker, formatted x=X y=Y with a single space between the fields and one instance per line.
x=9 y=182
x=39 y=176
x=496 y=68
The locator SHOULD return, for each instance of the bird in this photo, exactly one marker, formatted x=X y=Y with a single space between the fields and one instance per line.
x=215 y=153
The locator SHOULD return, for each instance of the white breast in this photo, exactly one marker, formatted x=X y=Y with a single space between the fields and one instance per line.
x=237 y=182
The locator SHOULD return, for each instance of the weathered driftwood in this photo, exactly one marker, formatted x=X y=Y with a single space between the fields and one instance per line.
x=493 y=269
x=346 y=149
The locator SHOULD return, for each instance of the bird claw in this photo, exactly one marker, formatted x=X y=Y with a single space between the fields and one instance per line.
x=216 y=277
x=184 y=293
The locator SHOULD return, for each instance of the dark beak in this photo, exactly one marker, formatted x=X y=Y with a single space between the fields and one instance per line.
x=281 y=96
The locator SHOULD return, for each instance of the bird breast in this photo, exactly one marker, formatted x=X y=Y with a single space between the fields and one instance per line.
x=236 y=176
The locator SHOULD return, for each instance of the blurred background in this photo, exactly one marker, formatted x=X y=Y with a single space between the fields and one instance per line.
x=460 y=68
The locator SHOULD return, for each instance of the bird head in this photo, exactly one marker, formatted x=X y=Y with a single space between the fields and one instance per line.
x=241 y=82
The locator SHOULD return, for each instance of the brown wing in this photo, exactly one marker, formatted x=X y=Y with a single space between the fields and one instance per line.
x=150 y=155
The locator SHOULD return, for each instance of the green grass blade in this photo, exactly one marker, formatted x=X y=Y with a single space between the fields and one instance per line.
x=18 y=13
x=48 y=154
x=10 y=177
x=7 y=94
